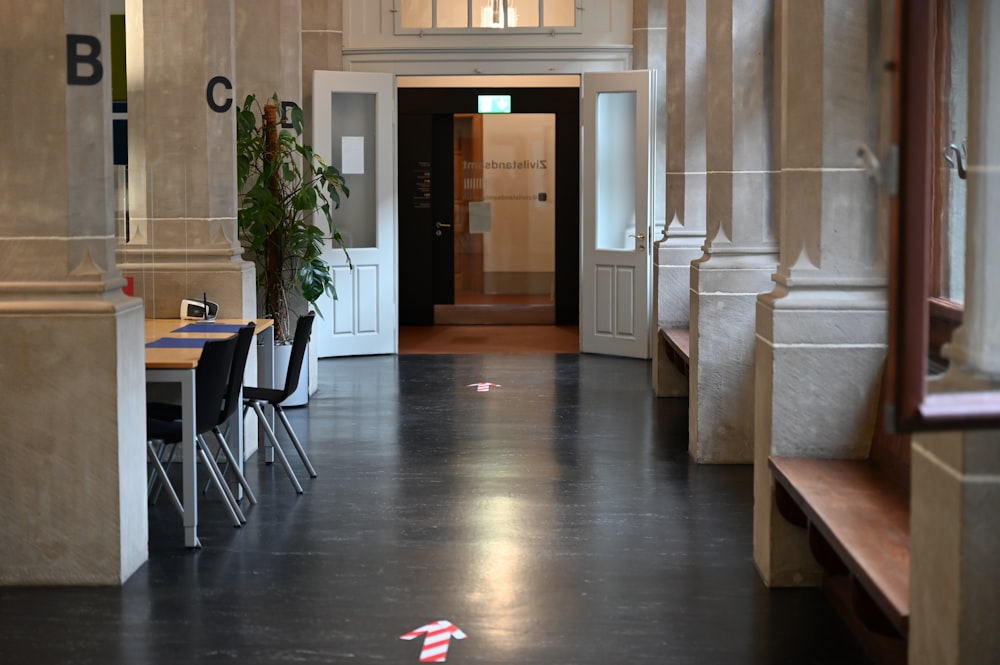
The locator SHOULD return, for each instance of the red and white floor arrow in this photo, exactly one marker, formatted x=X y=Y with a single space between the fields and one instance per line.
x=483 y=387
x=437 y=641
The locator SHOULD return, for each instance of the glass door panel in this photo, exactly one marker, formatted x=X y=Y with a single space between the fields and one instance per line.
x=504 y=211
x=353 y=151
x=953 y=111
x=616 y=159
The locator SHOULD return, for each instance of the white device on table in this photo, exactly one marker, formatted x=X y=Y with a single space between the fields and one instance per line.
x=201 y=310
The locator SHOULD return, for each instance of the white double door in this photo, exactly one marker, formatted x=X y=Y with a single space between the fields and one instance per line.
x=355 y=130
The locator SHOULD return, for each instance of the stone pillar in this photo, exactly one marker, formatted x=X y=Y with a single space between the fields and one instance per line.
x=322 y=46
x=73 y=483
x=685 y=141
x=821 y=333
x=269 y=62
x=954 y=546
x=742 y=249
x=269 y=49
x=956 y=475
x=182 y=158
x=649 y=51
x=322 y=49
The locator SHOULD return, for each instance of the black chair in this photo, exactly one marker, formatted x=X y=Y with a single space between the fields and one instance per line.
x=256 y=397
x=211 y=383
x=244 y=342
x=162 y=411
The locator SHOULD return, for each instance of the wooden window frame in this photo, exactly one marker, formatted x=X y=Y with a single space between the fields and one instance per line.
x=909 y=407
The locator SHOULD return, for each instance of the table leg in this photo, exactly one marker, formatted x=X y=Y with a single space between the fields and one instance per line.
x=265 y=376
x=190 y=460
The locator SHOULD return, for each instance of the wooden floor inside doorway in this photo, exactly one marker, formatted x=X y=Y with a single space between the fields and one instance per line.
x=483 y=339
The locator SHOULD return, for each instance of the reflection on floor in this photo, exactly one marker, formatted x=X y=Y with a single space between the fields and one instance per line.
x=554 y=519
x=489 y=339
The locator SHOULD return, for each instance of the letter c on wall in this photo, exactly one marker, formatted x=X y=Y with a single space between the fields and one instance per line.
x=210 y=94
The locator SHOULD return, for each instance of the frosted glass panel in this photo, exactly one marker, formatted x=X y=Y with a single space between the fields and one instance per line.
x=503 y=14
x=509 y=14
x=522 y=13
x=560 y=13
x=955 y=99
x=416 y=14
x=616 y=139
x=352 y=125
x=452 y=14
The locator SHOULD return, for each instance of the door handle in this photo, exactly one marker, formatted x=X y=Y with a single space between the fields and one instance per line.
x=439 y=225
x=637 y=236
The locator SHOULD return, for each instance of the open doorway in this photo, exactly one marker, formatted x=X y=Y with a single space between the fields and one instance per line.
x=489 y=201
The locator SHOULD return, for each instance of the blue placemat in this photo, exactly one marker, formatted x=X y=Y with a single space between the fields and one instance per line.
x=178 y=343
x=210 y=328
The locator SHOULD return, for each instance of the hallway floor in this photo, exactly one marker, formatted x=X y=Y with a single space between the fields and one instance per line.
x=554 y=519
x=489 y=339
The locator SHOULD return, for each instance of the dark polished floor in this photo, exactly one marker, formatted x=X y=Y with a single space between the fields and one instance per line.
x=555 y=519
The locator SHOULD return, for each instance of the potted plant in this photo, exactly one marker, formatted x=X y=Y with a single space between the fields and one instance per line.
x=283 y=184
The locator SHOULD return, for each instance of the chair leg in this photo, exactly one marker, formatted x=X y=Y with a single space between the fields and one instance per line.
x=233 y=508
x=165 y=455
x=154 y=476
x=231 y=463
x=268 y=448
x=295 y=440
x=276 y=446
x=164 y=481
x=166 y=451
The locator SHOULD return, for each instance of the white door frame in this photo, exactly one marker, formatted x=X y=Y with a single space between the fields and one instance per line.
x=364 y=318
x=616 y=269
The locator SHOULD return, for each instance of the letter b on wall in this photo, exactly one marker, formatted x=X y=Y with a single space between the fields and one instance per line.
x=83 y=60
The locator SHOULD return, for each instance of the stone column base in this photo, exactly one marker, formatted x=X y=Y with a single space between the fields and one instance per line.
x=724 y=290
x=819 y=361
x=672 y=299
x=73 y=481
x=954 y=602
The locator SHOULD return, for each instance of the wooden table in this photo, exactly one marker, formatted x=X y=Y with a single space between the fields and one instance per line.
x=176 y=365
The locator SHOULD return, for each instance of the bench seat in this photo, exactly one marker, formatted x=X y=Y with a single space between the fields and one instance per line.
x=864 y=519
x=678 y=347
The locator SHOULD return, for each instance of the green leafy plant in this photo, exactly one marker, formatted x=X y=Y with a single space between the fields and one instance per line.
x=284 y=187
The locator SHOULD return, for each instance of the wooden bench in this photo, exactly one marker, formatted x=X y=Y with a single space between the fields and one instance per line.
x=857 y=517
x=678 y=348
x=673 y=356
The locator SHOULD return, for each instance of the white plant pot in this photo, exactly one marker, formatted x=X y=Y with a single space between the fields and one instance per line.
x=282 y=353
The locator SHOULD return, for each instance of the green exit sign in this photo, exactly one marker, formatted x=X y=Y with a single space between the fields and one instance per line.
x=494 y=103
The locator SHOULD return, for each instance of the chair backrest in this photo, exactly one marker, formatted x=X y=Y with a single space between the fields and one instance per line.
x=210 y=379
x=244 y=341
x=302 y=331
